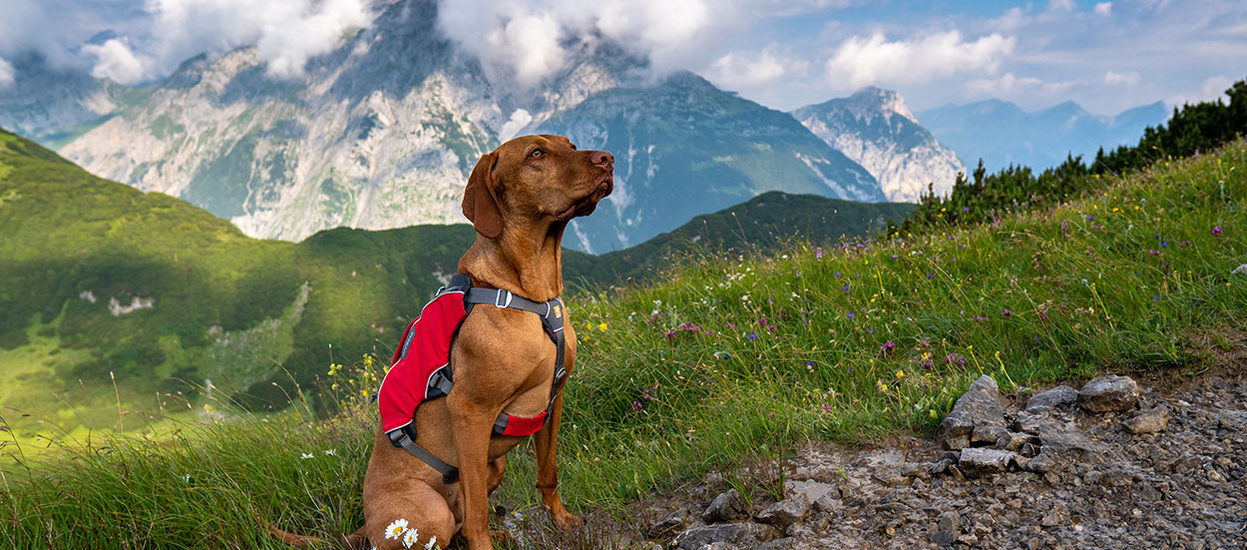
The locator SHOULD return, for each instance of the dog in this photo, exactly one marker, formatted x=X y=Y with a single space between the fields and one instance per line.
x=519 y=199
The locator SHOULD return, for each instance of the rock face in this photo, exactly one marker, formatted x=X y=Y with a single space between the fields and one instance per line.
x=977 y=417
x=876 y=129
x=1108 y=393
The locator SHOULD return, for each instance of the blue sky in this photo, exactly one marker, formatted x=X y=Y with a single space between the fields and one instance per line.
x=1107 y=56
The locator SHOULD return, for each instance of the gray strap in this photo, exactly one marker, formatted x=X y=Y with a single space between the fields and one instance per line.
x=450 y=474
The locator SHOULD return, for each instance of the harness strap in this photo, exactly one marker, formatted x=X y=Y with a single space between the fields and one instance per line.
x=401 y=438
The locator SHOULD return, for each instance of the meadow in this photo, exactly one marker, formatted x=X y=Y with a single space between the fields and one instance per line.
x=718 y=361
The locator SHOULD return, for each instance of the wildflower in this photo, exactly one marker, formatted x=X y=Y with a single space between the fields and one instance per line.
x=752 y=335
x=331 y=452
x=306 y=456
x=887 y=347
x=900 y=374
x=396 y=529
x=1006 y=313
x=930 y=275
x=846 y=288
x=411 y=538
x=636 y=406
x=850 y=315
x=837 y=274
x=602 y=327
x=879 y=384
x=1216 y=231
x=818 y=253
x=431 y=544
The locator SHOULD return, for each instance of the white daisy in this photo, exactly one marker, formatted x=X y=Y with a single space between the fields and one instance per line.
x=431 y=544
x=331 y=452
x=411 y=538
x=307 y=455
x=395 y=530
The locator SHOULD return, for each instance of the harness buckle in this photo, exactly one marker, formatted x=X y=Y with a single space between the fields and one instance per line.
x=502 y=299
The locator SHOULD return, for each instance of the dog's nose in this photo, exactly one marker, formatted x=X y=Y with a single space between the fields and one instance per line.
x=603 y=159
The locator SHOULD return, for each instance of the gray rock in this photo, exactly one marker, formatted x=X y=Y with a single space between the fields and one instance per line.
x=698 y=537
x=728 y=506
x=1055 y=397
x=669 y=526
x=978 y=462
x=1109 y=393
x=1153 y=420
x=786 y=512
x=943 y=538
x=829 y=502
x=977 y=417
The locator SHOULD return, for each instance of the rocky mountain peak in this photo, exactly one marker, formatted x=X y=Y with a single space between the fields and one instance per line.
x=870 y=102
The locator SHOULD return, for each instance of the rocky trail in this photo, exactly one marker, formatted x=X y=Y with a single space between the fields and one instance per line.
x=1114 y=464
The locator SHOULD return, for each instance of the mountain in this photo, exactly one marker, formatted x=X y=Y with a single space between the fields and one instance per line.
x=683 y=147
x=51 y=103
x=875 y=128
x=1001 y=133
x=383 y=131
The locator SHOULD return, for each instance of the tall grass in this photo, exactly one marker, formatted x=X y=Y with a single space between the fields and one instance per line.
x=729 y=357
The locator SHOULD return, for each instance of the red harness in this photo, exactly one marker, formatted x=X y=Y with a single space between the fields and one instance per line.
x=421 y=370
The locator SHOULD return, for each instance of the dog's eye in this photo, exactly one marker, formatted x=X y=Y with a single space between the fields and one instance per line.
x=537 y=153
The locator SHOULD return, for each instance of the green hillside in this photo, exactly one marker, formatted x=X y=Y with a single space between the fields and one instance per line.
x=724 y=359
x=117 y=301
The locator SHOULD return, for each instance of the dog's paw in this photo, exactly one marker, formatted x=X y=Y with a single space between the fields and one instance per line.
x=567 y=521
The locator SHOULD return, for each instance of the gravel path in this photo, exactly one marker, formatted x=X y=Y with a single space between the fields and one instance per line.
x=1182 y=487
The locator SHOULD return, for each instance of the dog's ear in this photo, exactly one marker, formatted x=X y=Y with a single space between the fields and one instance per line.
x=480 y=204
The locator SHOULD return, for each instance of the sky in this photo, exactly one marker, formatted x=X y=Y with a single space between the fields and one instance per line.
x=1106 y=56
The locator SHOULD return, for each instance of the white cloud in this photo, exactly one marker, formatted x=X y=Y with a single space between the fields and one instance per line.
x=1129 y=78
x=1104 y=8
x=1011 y=85
x=8 y=76
x=116 y=61
x=1061 y=5
x=286 y=32
x=532 y=39
x=1210 y=89
x=751 y=70
x=519 y=119
x=860 y=62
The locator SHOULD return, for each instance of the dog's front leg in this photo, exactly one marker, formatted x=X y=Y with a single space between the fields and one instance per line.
x=548 y=469
x=472 y=425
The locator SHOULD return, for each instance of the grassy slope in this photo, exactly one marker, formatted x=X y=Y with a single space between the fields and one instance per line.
x=730 y=357
x=260 y=319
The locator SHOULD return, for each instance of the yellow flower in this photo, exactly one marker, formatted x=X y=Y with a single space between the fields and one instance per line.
x=602 y=327
x=900 y=374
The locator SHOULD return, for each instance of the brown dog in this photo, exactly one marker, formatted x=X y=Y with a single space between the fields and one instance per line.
x=519 y=198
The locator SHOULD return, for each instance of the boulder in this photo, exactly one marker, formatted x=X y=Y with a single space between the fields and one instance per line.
x=977 y=417
x=786 y=512
x=1055 y=397
x=747 y=535
x=978 y=462
x=1109 y=393
x=728 y=506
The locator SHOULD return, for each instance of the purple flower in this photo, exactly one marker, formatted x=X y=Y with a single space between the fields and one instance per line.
x=752 y=335
x=887 y=347
x=809 y=363
x=930 y=275
x=1164 y=244
x=762 y=321
x=894 y=256
x=1006 y=313
x=636 y=406
x=837 y=274
x=965 y=208
x=818 y=253
x=928 y=364
x=980 y=318
x=1216 y=231
x=850 y=315
x=846 y=288
x=954 y=359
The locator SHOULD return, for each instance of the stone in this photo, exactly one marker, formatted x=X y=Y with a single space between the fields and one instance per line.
x=1150 y=421
x=728 y=506
x=698 y=537
x=829 y=502
x=1109 y=393
x=1055 y=397
x=977 y=417
x=669 y=526
x=943 y=538
x=978 y=462
x=785 y=512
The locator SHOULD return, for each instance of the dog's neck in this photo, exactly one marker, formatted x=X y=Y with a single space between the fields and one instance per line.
x=526 y=260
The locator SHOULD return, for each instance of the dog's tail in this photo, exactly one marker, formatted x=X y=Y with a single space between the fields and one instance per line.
x=353 y=541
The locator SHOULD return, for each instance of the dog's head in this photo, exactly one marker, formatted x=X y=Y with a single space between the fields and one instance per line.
x=535 y=179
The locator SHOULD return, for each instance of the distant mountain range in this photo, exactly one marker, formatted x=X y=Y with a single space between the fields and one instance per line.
x=1001 y=133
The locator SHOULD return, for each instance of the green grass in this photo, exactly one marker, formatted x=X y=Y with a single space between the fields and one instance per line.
x=724 y=359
